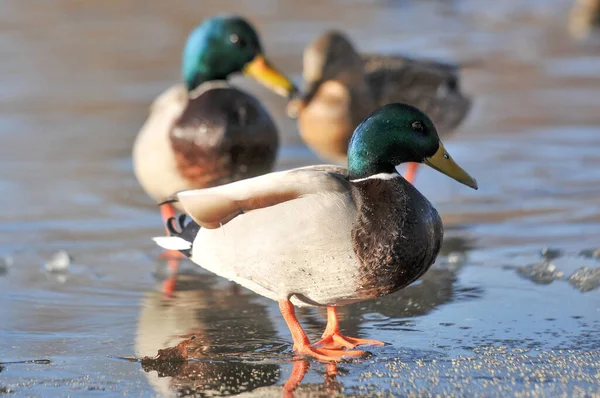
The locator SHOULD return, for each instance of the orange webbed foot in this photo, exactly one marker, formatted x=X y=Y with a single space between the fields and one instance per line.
x=337 y=341
x=333 y=339
x=328 y=355
x=302 y=344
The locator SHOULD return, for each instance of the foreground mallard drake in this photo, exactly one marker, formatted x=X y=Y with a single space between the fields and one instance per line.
x=206 y=132
x=342 y=87
x=324 y=235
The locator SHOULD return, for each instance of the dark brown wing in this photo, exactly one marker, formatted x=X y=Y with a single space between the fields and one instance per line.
x=223 y=135
x=373 y=62
x=431 y=86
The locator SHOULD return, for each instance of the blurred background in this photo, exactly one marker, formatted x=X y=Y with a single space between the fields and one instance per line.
x=512 y=304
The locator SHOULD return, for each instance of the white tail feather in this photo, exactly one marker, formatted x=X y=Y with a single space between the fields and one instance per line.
x=172 y=243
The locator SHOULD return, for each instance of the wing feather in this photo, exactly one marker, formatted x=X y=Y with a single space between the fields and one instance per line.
x=214 y=207
x=433 y=87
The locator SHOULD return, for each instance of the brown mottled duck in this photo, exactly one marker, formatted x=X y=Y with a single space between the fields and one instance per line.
x=342 y=87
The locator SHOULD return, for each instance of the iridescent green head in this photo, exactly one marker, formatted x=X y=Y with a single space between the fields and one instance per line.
x=395 y=134
x=224 y=45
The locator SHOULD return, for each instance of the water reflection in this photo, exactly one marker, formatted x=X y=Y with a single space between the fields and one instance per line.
x=232 y=330
x=238 y=346
x=330 y=386
x=198 y=378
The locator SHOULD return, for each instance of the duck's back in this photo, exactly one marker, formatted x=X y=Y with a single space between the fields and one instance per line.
x=431 y=86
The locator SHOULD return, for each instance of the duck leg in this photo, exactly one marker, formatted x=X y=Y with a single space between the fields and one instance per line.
x=302 y=343
x=332 y=338
x=300 y=369
x=168 y=285
x=173 y=257
x=167 y=211
x=411 y=172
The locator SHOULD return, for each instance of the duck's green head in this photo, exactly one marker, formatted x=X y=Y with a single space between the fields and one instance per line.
x=225 y=45
x=398 y=133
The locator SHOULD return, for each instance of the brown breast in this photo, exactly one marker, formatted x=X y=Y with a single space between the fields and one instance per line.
x=327 y=122
x=396 y=237
x=223 y=135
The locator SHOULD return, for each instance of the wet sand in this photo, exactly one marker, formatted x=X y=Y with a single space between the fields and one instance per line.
x=493 y=317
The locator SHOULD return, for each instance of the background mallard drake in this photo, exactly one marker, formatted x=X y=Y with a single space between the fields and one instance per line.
x=205 y=132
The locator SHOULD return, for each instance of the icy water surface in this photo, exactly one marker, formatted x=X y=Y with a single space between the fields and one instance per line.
x=512 y=306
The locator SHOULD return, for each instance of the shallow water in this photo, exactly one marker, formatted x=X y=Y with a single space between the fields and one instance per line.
x=493 y=317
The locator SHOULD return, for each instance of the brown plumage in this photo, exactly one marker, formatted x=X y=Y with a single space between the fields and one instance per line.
x=214 y=135
x=342 y=88
x=223 y=135
x=431 y=86
x=584 y=18
x=380 y=235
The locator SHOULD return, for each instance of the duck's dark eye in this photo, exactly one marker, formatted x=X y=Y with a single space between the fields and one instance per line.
x=237 y=40
x=418 y=126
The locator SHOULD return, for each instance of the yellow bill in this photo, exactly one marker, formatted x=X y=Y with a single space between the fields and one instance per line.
x=262 y=71
x=442 y=162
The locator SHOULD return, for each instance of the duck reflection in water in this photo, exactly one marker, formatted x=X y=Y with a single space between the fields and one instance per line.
x=231 y=331
x=237 y=347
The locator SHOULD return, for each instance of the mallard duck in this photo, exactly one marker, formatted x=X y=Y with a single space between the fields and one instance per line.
x=206 y=132
x=325 y=235
x=342 y=88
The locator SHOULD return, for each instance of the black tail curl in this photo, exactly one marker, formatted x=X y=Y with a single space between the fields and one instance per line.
x=187 y=232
